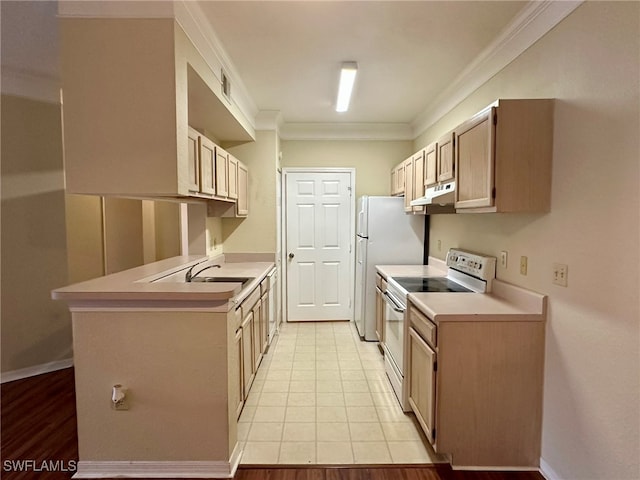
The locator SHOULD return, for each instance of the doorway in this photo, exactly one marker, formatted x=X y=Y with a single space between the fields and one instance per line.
x=319 y=213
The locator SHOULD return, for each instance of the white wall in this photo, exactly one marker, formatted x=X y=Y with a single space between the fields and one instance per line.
x=590 y=64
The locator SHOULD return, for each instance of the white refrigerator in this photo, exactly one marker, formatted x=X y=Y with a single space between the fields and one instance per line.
x=385 y=235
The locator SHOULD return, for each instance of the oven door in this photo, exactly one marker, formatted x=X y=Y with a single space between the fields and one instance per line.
x=394 y=329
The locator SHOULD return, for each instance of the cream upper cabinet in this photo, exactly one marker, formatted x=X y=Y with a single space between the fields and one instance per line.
x=431 y=164
x=445 y=162
x=408 y=184
x=397 y=179
x=194 y=161
x=222 y=173
x=418 y=180
x=242 y=205
x=503 y=158
x=393 y=181
x=233 y=177
x=207 y=160
x=126 y=125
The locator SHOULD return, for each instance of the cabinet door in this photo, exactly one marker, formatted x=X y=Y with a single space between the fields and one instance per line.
x=418 y=179
x=222 y=175
x=207 y=159
x=257 y=342
x=194 y=161
x=248 y=370
x=400 y=179
x=431 y=165
x=393 y=182
x=242 y=206
x=379 y=316
x=264 y=322
x=408 y=184
x=239 y=392
x=475 y=161
x=233 y=177
x=445 y=158
x=422 y=383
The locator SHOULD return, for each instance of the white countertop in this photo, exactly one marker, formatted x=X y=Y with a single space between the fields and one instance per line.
x=470 y=307
x=137 y=283
x=506 y=302
x=436 y=268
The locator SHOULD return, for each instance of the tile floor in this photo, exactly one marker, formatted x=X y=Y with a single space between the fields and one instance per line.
x=321 y=397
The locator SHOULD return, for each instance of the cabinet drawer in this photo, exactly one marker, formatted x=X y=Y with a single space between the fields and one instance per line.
x=383 y=286
x=379 y=281
x=423 y=325
x=250 y=301
x=264 y=286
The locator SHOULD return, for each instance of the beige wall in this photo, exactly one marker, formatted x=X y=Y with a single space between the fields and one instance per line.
x=35 y=329
x=371 y=159
x=589 y=63
x=257 y=232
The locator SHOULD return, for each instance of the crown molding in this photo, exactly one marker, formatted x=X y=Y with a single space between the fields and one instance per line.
x=531 y=24
x=30 y=85
x=346 y=131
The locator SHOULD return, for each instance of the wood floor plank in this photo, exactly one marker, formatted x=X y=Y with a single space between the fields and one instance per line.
x=39 y=423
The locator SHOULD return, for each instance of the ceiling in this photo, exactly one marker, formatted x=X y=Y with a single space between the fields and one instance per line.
x=288 y=53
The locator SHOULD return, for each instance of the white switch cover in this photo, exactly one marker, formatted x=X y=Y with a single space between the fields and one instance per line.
x=560 y=274
x=503 y=259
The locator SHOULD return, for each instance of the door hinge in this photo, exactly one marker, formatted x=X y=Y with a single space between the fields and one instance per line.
x=435 y=366
x=495 y=118
x=433 y=434
x=493 y=192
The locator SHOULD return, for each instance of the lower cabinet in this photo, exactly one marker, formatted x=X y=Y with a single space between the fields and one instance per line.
x=381 y=287
x=476 y=387
x=422 y=383
x=252 y=337
x=248 y=370
x=239 y=392
x=257 y=342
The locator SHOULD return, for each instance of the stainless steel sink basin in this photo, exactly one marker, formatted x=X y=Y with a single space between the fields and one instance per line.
x=242 y=280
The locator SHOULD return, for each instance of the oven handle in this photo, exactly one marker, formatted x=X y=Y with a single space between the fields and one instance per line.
x=394 y=303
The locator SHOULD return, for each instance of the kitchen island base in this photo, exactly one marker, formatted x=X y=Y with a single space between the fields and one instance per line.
x=179 y=370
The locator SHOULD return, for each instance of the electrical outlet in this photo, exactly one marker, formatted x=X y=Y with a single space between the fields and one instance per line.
x=560 y=274
x=523 y=265
x=439 y=245
x=503 y=259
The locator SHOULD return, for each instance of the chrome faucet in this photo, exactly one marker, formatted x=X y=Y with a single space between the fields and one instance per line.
x=189 y=276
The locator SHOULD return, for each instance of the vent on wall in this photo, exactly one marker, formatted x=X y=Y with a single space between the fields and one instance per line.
x=226 y=86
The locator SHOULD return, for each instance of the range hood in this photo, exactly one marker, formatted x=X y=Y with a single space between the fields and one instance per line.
x=437 y=195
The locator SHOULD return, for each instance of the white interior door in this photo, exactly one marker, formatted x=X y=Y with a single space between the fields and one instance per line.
x=319 y=236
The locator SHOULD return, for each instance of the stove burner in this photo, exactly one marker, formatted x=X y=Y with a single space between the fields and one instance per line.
x=430 y=284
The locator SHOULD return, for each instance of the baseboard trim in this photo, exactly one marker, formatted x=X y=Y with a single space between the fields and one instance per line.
x=492 y=468
x=35 y=370
x=547 y=472
x=146 y=469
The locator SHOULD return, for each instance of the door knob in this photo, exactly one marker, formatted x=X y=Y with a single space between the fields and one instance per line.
x=291 y=255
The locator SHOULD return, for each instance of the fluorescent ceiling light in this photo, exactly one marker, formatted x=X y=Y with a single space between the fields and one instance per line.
x=347 y=79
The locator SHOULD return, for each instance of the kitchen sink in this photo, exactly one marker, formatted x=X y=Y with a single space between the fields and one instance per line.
x=242 y=280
